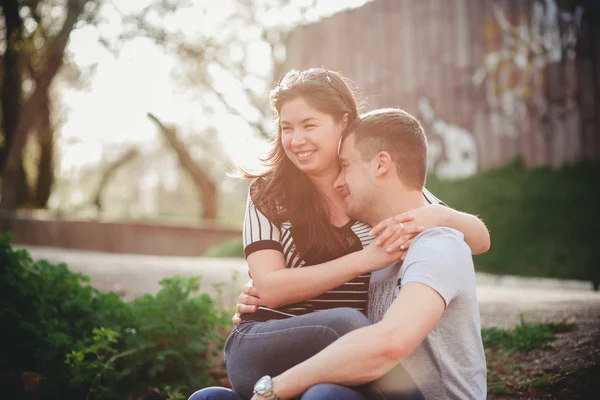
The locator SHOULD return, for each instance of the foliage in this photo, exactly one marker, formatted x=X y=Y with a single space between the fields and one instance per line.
x=229 y=248
x=94 y=362
x=523 y=337
x=542 y=220
x=61 y=338
x=176 y=335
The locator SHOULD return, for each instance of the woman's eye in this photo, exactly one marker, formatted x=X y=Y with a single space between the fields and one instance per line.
x=309 y=126
x=286 y=129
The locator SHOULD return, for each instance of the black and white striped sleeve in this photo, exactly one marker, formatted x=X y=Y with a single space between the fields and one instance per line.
x=259 y=232
x=431 y=199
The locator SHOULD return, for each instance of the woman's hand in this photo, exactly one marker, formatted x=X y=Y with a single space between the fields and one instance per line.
x=376 y=257
x=397 y=233
x=248 y=302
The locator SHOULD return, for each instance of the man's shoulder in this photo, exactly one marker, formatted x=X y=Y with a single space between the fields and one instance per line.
x=439 y=242
x=440 y=259
x=442 y=234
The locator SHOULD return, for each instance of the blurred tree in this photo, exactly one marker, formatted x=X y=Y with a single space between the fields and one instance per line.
x=109 y=171
x=12 y=92
x=35 y=35
x=33 y=39
x=206 y=186
x=249 y=27
x=251 y=30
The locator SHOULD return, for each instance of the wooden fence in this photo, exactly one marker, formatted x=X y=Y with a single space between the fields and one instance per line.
x=489 y=79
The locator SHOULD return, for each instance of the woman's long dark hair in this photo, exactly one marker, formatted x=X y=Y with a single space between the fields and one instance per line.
x=283 y=192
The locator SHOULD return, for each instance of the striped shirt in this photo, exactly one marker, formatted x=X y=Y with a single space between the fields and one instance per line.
x=259 y=233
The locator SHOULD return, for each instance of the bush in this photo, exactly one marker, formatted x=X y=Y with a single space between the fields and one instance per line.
x=229 y=248
x=542 y=220
x=62 y=338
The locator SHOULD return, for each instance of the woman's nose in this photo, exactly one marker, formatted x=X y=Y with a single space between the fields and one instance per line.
x=298 y=137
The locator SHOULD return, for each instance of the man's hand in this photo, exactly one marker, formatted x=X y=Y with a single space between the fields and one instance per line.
x=248 y=302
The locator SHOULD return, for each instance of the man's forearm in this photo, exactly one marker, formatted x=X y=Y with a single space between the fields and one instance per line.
x=353 y=359
x=368 y=353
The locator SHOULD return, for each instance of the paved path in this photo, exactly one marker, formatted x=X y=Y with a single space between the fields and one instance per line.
x=502 y=299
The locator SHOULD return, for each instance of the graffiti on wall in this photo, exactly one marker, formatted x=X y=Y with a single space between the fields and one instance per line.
x=454 y=155
x=519 y=48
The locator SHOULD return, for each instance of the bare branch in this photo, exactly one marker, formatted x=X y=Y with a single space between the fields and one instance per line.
x=109 y=172
x=207 y=188
x=255 y=125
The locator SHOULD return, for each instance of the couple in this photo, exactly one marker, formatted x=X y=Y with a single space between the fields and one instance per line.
x=317 y=318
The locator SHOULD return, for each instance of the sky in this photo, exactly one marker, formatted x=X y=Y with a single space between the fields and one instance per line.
x=111 y=113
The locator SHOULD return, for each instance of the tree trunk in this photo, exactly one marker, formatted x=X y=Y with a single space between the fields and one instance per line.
x=22 y=190
x=45 y=175
x=207 y=189
x=11 y=82
x=35 y=103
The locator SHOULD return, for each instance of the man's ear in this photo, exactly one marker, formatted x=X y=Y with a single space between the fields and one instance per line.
x=383 y=163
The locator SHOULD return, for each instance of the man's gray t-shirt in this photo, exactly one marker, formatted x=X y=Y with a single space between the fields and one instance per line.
x=450 y=362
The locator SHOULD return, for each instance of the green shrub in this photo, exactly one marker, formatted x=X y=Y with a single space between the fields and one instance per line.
x=62 y=338
x=229 y=248
x=174 y=335
x=542 y=220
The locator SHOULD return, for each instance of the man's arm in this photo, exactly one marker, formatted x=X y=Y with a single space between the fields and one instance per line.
x=368 y=353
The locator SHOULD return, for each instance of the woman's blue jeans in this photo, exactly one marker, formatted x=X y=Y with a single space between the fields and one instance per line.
x=322 y=391
x=255 y=349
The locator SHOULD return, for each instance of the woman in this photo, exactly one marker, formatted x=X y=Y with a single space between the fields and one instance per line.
x=304 y=253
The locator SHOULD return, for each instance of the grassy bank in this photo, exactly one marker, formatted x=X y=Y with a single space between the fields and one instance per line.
x=542 y=220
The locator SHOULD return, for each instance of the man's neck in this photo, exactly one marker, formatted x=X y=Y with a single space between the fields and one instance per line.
x=395 y=201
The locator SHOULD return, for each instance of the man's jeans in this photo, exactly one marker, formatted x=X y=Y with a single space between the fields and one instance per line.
x=255 y=349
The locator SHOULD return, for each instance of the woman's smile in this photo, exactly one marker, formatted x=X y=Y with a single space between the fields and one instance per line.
x=305 y=155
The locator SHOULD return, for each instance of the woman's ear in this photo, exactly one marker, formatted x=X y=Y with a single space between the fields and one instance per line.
x=345 y=121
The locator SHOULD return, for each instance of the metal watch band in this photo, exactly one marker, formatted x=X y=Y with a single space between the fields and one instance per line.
x=269 y=394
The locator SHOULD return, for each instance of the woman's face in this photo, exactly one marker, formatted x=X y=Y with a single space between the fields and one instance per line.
x=309 y=137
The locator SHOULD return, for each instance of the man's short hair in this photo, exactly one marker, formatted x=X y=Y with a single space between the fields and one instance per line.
x=400 y=134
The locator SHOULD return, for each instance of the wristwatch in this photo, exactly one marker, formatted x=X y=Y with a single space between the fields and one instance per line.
x=264 y=387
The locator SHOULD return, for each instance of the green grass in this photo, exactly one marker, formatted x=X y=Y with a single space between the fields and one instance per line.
x=507 y=373
x=229 y=248
x=542 y=220
x=523 y=337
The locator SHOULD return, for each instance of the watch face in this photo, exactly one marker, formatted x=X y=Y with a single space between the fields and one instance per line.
x=262 y=384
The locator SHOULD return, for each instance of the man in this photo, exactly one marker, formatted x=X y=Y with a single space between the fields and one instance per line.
x=432 y=327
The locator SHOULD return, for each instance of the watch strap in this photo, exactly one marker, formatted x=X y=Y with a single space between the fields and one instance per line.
x=269 y=394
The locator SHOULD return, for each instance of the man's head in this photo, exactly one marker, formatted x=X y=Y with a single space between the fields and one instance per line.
x=383 y=150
